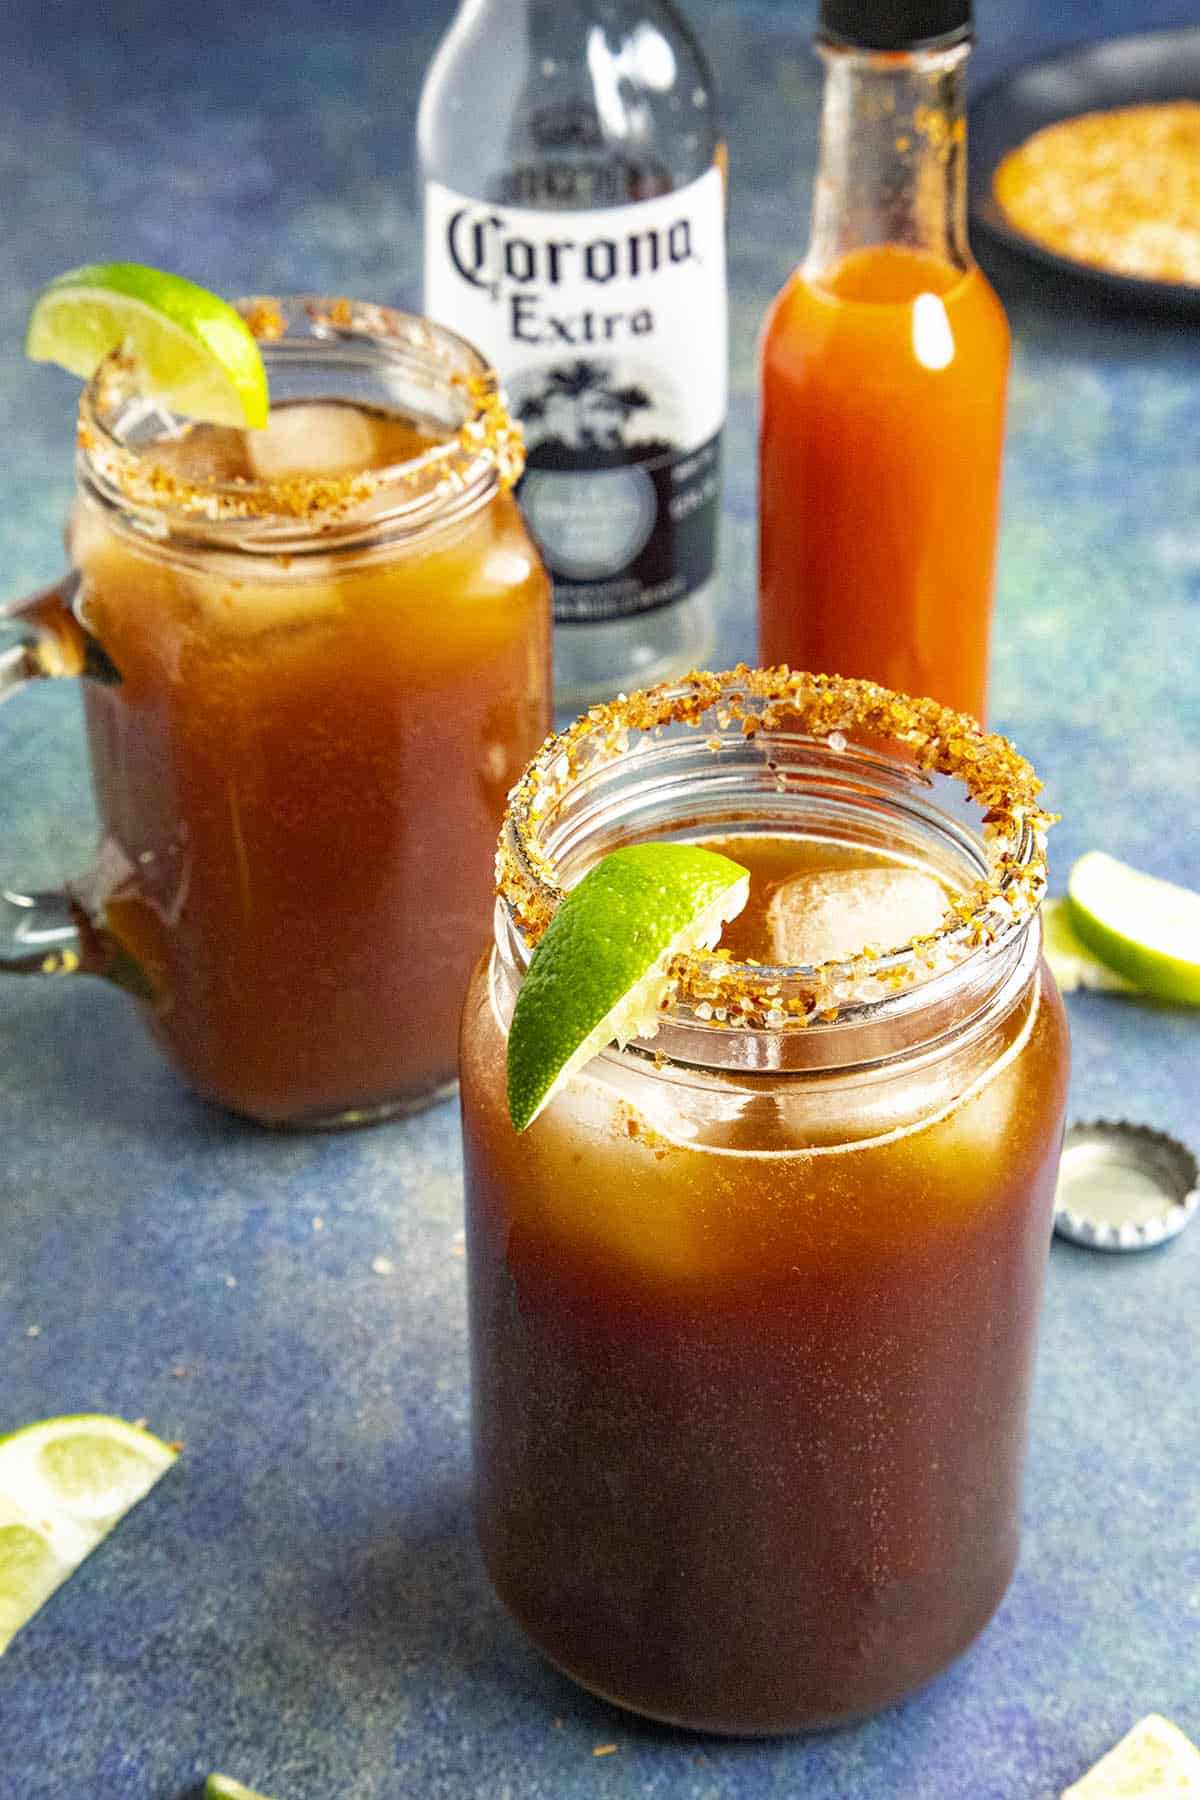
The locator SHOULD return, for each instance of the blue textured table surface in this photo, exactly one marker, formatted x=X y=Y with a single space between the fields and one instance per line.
x=300 y=1602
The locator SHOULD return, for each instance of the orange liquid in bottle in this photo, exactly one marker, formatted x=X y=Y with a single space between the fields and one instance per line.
x=882 y=436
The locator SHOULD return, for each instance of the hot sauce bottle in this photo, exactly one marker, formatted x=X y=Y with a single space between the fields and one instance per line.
x=884 y=367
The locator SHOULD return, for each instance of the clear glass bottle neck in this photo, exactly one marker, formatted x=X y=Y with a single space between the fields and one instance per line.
x=544 y=20
x=893 y=157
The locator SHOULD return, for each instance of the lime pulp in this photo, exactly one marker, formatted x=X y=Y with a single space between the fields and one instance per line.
x=64 y=1484
x=600 y=971
x=1144 y=928
x=192 y=349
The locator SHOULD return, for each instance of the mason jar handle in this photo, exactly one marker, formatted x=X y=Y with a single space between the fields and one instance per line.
x=50 y=933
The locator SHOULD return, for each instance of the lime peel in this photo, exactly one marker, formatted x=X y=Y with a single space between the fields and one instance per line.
x=192 y=349
x=64 y=1484
x=1145 y=928
x=1071 y=962
x=600 y=970
x=224 y=1787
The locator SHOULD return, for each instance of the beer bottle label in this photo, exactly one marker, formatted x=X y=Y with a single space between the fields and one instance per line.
x=608 y=329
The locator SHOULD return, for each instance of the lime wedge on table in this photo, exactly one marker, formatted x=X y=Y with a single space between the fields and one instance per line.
x=192 y=349
x=1071 y=962
x=64 y=1484
x=599 y=971
x=224 y=1787
x=1154 y=1761
x=1146 y=929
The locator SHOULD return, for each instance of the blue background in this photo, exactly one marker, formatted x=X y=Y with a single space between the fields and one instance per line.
x=300 y=1602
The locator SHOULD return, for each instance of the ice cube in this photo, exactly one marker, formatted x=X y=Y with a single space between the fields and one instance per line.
x=313 y=438
x=203 y=454
x=838 y=912
x=247 y=609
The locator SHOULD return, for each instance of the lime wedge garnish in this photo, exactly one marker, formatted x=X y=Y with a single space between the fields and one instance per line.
x=1152 y=1761
x=1071 y=962
x=599 y=972
x=224 y=1787
x=193 y=351
x=1146 y=929
x=64 y=1484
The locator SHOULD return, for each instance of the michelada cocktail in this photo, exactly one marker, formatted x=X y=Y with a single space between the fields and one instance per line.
x=329 y=653
x=754 y=1301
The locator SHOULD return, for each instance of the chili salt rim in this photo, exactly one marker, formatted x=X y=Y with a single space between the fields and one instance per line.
x=487 y=444
x=708 y=987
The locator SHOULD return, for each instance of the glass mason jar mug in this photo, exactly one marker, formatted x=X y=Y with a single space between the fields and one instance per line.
x=753 y=1308
x=315 y=658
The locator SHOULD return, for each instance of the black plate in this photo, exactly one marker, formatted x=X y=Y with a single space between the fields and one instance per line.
x=1153 y=65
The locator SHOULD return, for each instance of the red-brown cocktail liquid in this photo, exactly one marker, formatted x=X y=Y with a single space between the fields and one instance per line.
x=751 y=1381
x=301 y=772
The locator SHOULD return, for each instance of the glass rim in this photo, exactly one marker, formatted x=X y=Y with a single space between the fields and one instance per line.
x=711 y=990
x=484 y=451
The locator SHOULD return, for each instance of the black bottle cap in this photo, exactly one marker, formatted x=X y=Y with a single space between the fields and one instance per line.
x=895 y=24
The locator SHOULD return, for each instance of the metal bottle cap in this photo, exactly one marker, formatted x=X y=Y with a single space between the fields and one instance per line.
x=1123 y=1186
